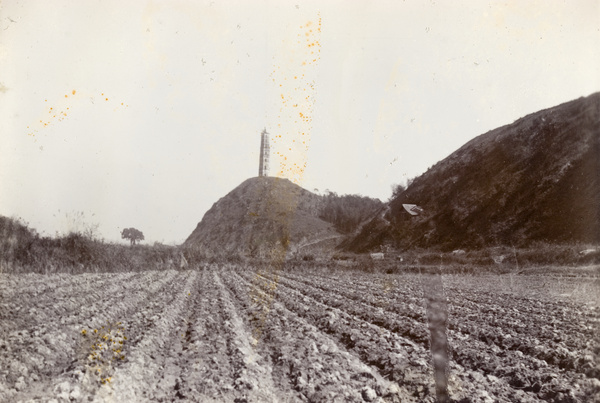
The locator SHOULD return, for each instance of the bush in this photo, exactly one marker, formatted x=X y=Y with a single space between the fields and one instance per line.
x=24 y=251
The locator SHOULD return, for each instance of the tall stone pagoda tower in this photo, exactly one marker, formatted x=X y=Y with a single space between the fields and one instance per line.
x=263 y=166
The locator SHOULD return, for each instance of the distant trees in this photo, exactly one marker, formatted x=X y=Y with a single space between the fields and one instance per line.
x=134 y=235
x=348 y=211
x=397 y=189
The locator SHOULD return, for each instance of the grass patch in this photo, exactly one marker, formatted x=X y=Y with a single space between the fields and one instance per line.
x=537 y=259
x=22 y=250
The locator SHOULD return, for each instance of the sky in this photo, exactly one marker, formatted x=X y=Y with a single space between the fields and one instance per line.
x=144 y=113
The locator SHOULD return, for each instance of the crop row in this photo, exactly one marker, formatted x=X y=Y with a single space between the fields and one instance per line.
x=503 y=328
x=150 y=347
x=400 y=297
x=311 y=361
x=395 y=357
x=534 y=376
x=566 y=348
x=49 y=347
x=395 y=317
x=228 y=333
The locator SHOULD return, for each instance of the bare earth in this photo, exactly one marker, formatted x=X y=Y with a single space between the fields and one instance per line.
x=231 y=334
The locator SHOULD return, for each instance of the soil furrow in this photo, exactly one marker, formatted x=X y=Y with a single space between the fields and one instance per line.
x=139 y=378
x=308 y=361
x=252 y=372
x=400 y=359
x=232 y=333
x=55 y=347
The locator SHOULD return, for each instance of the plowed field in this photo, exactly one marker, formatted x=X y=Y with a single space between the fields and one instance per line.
x=224 y=333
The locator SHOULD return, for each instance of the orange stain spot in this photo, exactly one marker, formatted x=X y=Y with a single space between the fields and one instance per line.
x=107 y=99
x=73 y=92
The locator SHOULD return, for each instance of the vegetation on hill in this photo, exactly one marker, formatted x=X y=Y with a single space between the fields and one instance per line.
x=536 y=180
x=347 y=212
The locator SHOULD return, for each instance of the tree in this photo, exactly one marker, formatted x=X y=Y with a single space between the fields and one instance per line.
x=397 y=190
x=132 y=234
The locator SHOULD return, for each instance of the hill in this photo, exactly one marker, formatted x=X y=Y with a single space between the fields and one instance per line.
x=265 y=215
x=537 y=179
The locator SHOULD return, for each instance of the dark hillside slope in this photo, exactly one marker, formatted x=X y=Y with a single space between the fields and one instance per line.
x=537 y=179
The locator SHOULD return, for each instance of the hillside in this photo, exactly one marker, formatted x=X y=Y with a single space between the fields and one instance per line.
x=266 y=215
x=537 y=179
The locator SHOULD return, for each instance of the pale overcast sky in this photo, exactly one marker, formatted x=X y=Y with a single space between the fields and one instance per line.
x=144 y=113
